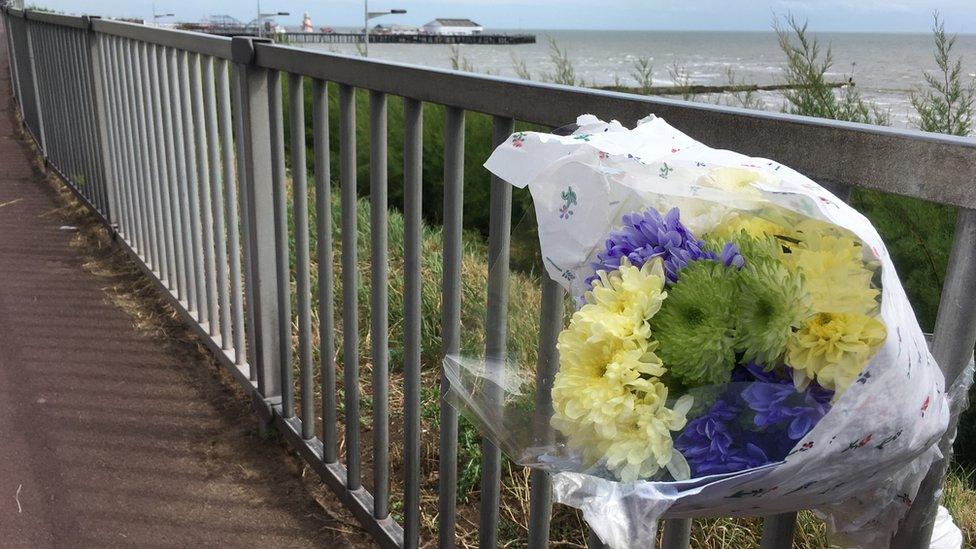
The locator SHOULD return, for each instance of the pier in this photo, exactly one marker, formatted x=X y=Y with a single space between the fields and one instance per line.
x=380 y=38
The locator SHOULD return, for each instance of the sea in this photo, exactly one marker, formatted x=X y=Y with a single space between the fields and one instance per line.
x=885 y=67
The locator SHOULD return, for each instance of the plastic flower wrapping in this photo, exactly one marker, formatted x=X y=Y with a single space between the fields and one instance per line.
x=738 y=342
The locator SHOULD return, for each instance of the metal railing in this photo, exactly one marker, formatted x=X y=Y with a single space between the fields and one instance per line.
x=176 y=140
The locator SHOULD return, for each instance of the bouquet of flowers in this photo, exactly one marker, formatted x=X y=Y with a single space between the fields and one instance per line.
x=786 y=312
x=740 y=343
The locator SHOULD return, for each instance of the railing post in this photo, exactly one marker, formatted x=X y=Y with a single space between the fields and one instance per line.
x=261 y=282
x=12 y=57
x=955 y=337
x=101 y=117
x=35 y=95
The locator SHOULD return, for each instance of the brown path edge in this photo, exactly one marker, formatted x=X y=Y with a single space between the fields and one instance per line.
x=116 y=428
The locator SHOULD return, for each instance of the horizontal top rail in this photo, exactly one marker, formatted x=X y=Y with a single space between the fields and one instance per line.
x=207 y=44
x=196 y=42
x=74 y=21
x=933 y=167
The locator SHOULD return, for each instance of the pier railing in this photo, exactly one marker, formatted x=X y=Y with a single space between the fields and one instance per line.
x=176 y=140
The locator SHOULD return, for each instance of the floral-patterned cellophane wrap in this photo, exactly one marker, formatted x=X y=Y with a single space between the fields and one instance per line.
x=740 y=343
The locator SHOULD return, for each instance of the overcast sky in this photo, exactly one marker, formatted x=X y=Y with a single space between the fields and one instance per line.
x=823 y=15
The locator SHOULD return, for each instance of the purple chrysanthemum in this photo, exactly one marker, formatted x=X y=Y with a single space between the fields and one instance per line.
x=756 y=421
x=715 y=443
x=646 y=235
x=777 y=403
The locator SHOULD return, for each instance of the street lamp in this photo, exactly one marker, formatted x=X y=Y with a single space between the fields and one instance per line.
x=158 y=16
x=367 y=15
x=264 y=16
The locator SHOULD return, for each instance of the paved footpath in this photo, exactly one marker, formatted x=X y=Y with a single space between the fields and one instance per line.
x=110 y=436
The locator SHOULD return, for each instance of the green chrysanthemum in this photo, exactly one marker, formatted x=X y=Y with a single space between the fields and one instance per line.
x=752 y=249
x=695 y=326
x=771 y=301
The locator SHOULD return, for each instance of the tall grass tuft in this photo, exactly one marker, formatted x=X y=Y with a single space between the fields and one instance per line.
x=806 y=68
x=946 y=106
x=643 y=74
x=563 y=70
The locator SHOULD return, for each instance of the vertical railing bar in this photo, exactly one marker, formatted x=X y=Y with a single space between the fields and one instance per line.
x=35 y=98
x=89 y=68
x=88 y=112
x=120 y=123
x=204 y=219
x=174 y=150
x=34 y=102
x=42 y=75
x=88 y=109
x=324 y=258
x=379 y=302
x=222 y=175
x=450 y=319
x=952 y=349
x=77 y=93
x=280 y=205
x=299 y=185
x=677 y=534
x=139 y=148
x=550 y=323
x=412 y=201
x=132 y=179
x=178 y=81
x=36 y=61
x=102 y=116
x=62 y=116
x=243 y=102
x=151 y=154
x=187 y=61
x=777 y=531
x=69 y=98
x=109 y=127
x=350 y=282
x=496 y=333
x=258 y=220
x=204 y=108
x=228 y=137
x=164 y=152
x=145 y=187
x=163 y=155
x=70 y=106
x=14 y=57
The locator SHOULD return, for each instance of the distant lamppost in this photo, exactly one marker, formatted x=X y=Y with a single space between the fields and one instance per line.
x=263 y=17
x=158 y=16
x=367 y=15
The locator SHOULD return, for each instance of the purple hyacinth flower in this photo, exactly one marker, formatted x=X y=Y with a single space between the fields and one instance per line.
x=646 y=235
x=715 y=443
x=779 y=404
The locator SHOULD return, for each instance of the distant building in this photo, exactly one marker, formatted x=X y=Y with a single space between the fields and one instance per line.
x=307 y=23
x=453 y=27
x=395 y=29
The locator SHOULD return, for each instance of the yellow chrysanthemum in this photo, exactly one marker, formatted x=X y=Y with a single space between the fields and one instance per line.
x=834 y=273
x=598 y=377
x=833 y=348
x=607 y=397
x=643 y=445
x=622 y=301
x=739 y=180
x=751 y=225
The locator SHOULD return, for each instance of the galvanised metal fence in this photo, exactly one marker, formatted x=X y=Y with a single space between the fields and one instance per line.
x=176 y=140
